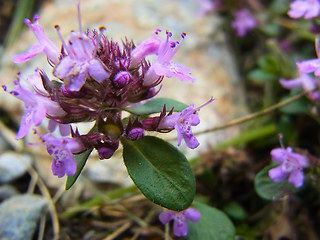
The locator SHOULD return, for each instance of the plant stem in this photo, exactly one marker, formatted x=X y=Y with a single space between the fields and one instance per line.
x=98 y=200
x=253 y=115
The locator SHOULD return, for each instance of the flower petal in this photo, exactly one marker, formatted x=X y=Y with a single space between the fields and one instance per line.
x=278 y=155
x=309 y=66
x=31 y=53
x=277 y=174
x=192 y=214
x=180 y=228
x=291 y=84
x=296 y=178
x=97 y=71
x=166 y=216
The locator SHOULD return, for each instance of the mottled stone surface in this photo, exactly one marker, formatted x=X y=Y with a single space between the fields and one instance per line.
x=204 y=51
x=13 y=166
x=7 y=191
x=20 y=215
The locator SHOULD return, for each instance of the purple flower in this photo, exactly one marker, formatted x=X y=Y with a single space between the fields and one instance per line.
x=207 y=6
x=37 y=106
x=291 y=164
x=80 y=62
x=305 y=81
x=163 y=66
x=45 y=45
x=64 y=129
x=309 y=66
x=62 y=150
x=180 y=227
x=243 y=22
x=182 y=122
x=145 y=48
x=307 y=8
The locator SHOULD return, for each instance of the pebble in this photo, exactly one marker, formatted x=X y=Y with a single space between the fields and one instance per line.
x=20 y=216
x=13 y=166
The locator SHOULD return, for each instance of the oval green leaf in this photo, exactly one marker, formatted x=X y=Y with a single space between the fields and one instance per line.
x=156 y=106
x=160 y=171
x=81 y=161
x=268 y=189
x=213 y=224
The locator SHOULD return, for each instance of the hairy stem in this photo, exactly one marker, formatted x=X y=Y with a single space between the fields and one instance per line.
x=253 y=115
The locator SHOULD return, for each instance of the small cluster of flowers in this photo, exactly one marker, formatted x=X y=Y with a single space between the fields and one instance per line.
x=243 y=22
x=290 y=165
x=95 y=80
x=308 y=9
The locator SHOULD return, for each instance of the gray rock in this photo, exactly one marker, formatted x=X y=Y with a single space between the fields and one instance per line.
x=7 y=191
x=19 y=216
x=108 y=171
x=13 y=166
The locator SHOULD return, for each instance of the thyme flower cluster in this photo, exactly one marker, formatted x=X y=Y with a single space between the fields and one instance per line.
x=95 y=80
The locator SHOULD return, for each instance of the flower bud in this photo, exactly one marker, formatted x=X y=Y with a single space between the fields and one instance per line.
x=135 y=134
x=121 y=79
x=105 y=152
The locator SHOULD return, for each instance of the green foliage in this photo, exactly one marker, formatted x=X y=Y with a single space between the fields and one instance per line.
x=259 y=76
x=156 y=106
x=235 y=210
x=269 y=64
x=160 y=171
x=213 y=225
x=268 y=189
x=81 y=161
x=297 y=107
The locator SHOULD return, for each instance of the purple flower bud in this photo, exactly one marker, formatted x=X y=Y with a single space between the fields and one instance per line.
x=121 y=79
x=105 y=152
x=135 y=134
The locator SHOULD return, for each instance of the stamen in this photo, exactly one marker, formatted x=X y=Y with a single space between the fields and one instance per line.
x=79 y=17
x=27 y=22
x=35 y=17
x=281 y=141
x=65 y=46
x=210 y=101
x=157 y=31
x=169 y=34
x=98 y=39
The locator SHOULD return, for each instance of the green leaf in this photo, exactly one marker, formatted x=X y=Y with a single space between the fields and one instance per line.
x=268 y=189
x=268 y=64
x=160 y=171
x=81 y=161
x=297 y=107
x=156 y=106
x=213 y=224
x=259 y=76
x=235 y=210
